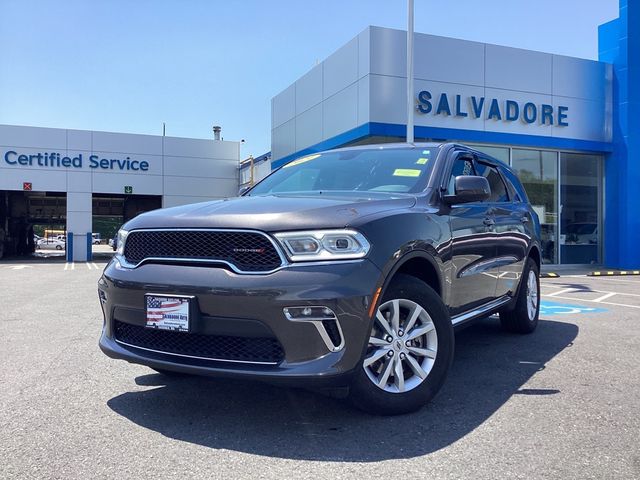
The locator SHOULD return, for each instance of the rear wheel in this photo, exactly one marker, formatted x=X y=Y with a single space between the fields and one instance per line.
x=409 y=352
x=523 y=318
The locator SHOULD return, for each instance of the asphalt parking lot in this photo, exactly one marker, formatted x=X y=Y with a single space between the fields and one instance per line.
x=561 y=403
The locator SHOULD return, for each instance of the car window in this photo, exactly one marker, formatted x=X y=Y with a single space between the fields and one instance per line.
x=299 y=181
x=498 y=188
x=384 y=170
x=516 y=189
x=461 y=166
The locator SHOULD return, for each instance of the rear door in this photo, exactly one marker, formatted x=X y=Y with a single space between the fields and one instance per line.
x=511 y=243
x=516 y=228
x=473 y=247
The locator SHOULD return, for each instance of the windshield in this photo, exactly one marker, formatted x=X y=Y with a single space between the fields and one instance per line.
x=393 y=170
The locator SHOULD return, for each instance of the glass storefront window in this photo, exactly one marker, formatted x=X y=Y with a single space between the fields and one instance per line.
x=538 y=172
x=580 y=232
x=501 y=153
x=565 y=189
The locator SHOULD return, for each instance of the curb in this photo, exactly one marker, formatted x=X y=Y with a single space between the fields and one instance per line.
x=549 y=275
x=612 y=273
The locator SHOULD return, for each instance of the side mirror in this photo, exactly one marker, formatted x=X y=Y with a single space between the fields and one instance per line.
x=469 y=188
x=243 y=190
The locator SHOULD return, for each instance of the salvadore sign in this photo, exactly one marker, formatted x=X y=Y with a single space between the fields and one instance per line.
x=479 y=107
x=78 y=161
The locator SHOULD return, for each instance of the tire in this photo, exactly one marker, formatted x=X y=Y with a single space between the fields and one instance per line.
x=523 y=317
x=408 y=295
x=58 y=247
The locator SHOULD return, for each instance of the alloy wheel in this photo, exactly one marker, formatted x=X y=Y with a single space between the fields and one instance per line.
x=532 y=295
x=402 y=347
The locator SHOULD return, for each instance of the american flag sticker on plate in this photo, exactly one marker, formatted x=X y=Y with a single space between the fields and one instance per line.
x=168 y=313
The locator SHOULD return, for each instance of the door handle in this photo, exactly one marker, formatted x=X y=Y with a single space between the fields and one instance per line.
x=489 y=222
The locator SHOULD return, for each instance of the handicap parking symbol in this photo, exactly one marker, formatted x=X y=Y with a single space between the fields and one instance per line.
x=552 y=308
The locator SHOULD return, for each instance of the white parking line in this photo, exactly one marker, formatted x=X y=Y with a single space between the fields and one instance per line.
x=89 y=265
x=626 y=280
x=604 y=297
x=560 y=292
x=593 y=301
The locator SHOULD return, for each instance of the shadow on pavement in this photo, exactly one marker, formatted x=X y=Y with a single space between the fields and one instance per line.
x=490 y=366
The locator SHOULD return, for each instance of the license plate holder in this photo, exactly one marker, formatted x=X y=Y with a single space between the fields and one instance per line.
x=168 y=312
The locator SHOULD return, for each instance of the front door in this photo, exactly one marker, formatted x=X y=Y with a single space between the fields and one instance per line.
x=473 y=247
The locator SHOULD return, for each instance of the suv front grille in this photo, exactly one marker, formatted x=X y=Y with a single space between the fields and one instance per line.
x=246 y=251
x=211 y=347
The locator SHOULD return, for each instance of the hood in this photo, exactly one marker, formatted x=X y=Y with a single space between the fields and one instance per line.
x=274 y=212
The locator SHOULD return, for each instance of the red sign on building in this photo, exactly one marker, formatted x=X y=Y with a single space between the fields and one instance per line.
x=27 y=186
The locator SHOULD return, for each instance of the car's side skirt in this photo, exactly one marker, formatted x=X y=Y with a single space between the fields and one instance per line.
x=481 y=310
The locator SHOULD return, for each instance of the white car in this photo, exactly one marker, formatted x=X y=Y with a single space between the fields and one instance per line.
x=51 y=244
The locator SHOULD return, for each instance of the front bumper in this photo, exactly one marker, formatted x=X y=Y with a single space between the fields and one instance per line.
x=246 y=306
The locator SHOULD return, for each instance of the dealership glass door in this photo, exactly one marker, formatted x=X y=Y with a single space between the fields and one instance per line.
x=538 y=172
x=580 y=213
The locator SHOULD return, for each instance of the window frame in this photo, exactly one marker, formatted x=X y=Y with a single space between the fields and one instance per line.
x=491 y=164
x=458 y=156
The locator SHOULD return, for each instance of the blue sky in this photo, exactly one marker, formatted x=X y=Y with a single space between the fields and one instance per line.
x=129 y=66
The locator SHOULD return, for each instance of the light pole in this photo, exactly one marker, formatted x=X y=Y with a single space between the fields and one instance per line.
x=410 y=103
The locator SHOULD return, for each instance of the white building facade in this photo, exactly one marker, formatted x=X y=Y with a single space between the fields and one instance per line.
x=550 y=117
x=84 y=165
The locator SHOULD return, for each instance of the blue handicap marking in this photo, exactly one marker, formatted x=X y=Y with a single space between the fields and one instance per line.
x=552 y=308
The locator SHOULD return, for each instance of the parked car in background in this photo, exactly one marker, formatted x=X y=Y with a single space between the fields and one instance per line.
x=581 y=233
x=51 y=244
x=347 y=268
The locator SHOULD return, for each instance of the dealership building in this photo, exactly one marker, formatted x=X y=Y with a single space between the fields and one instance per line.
x=74 y=178
x=570 y=127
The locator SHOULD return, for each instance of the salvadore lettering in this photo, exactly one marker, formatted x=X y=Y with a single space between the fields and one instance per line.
x=479 y=107
x=57 y=160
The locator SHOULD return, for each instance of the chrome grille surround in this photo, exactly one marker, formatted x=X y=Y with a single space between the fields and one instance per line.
x=152 y=257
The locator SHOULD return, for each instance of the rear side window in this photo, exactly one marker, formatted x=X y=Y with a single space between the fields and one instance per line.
x=461 y=166
x=518 y=192
x=498 y=188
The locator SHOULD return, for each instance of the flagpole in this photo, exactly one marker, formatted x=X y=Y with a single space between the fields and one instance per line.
x=410 y=102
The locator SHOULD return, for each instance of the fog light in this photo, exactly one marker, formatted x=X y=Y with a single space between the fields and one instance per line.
x=102 y=296
x=308 y=313
x=325 y=321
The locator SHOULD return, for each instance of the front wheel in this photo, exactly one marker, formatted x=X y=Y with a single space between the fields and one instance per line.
x=409 y=351
x=523 y=318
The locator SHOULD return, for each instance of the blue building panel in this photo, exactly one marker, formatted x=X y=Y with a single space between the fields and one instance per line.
x=619 y=44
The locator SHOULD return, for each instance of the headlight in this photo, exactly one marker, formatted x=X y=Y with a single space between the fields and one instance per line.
x=323 y=245
x=120 y=239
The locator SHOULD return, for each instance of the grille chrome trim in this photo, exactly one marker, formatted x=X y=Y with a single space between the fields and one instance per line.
x=252 y=362
x=283 y=261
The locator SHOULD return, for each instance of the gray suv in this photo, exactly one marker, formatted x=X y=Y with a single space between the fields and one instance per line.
x=344 y=269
